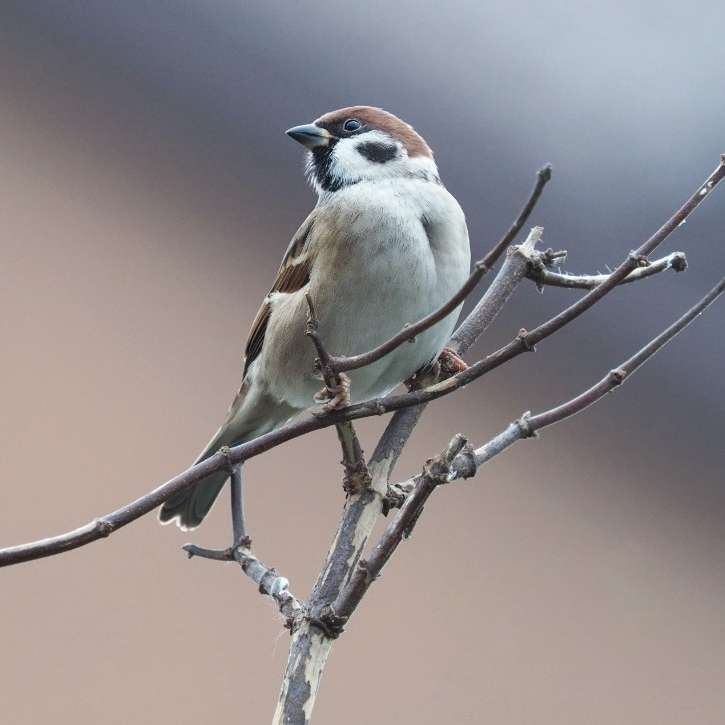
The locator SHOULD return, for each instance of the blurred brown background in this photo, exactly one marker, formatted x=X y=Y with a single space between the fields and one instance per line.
x=147 y=194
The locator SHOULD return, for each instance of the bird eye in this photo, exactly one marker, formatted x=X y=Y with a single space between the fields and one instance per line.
x=352 y=124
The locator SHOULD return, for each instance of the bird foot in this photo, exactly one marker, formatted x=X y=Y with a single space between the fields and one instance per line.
x=334 y=397
x=446 y=366
x=449 y=363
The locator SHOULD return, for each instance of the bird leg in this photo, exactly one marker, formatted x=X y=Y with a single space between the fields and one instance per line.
x=334 y=397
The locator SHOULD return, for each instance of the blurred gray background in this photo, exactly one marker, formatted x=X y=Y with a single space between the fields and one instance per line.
x=147 y=194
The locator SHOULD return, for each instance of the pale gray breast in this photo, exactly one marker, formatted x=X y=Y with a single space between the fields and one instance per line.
x=388 y=264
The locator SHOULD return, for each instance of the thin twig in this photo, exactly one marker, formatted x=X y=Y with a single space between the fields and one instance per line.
x=521 y=259
x=635 y=259
x=528 y=425
x=542 y=177
x=203 y=553
x=543 y=276
x=525 y=341
x=617 y=376
x=239 y=530
x=268 y=581
x=313 y=332
x=410 y=332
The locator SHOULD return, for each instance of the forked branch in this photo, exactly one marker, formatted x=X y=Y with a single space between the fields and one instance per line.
x=543 y=276
x=464 y=464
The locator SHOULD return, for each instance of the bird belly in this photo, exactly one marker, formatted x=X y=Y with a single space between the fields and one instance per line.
x=353 y=320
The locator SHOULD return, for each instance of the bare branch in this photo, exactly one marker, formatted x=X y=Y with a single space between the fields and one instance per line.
x=518 y=263
x=542 y=177
x=617 y=376
x=313 y=634
x=543 y=276
x=525 y=341
x=406 y=418
x=634 y=260
x=239 y=529
x=528 y=425
x=436 y=471
x=268 y=581
x=409 y=332
x=213 y=554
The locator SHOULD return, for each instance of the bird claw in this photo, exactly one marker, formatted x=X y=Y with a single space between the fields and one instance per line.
x=449 y=363
x=334 y=397
x=446 y=366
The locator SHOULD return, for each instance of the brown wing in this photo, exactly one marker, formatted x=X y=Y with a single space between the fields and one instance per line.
x=293 y=275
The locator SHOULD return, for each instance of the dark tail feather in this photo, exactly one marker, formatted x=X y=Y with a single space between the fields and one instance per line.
x=247 y=419
x=191 y=506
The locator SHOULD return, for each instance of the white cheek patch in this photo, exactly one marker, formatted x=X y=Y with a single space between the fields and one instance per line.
x=372 y=155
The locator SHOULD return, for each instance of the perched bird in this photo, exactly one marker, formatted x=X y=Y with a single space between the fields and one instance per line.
x=385 y=246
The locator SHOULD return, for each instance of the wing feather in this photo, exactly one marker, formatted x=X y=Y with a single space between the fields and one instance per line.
x=293 y=275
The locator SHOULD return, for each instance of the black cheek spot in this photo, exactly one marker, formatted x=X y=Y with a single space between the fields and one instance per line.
x=377 y=151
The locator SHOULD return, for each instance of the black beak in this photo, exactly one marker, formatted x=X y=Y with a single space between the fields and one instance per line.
x=310 y=135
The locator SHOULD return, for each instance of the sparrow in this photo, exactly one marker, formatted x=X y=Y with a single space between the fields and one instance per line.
x=385 y=245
